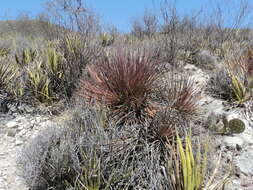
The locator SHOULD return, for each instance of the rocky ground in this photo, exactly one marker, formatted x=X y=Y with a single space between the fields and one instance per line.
x=237 y=149
x=15 y=130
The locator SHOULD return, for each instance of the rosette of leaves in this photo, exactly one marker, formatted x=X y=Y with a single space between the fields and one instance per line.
x=39 y=84
x=27 y=56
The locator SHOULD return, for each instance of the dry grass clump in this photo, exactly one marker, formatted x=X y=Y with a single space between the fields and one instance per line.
x=124 y=81
x=84 y=154
x=60 y=155
x=183 y=94
x=179 y=107
x=87 y=154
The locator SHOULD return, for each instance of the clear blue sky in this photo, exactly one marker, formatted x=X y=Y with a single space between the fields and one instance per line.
x=121 y=12
x=116 y=12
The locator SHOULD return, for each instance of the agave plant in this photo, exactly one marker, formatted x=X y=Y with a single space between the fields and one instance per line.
x=124 y=81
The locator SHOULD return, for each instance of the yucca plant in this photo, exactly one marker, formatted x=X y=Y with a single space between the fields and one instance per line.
x=28 y=56
x=55 y=69
x=123 y=81
x=53 y=62
x=239 y=88
x=237 y=69
x=39 y=83
x=76 y=55
x=234 y=82
x=4 y=52
x=188 y=168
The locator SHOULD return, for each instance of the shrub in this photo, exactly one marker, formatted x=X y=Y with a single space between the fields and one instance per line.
x=124 y=81
x=106 y=39
x=61 y=155
x=219 y=86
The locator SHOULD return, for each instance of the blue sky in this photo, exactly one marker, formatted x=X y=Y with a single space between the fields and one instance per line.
x=116 y=12
x=121 y=12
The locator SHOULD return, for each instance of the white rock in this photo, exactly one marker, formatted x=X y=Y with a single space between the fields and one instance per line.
x=191 y=68
x=18 y=142
x=247 y=138
x=233 y=142
x=245 y=161
x=22 y=132
x=12 y=124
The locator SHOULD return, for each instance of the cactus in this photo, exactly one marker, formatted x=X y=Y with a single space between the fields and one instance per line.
x=236 y=126
x=212 y=121
x=221 y=125
x=233 y=126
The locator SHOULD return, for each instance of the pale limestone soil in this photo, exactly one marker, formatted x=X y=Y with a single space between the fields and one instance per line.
x=15 y=131
x=9 y=179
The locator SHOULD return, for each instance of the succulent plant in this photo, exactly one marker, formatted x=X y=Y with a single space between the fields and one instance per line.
x=236 y=126
x=220 y=124
x=28 y=55
x=232 y=126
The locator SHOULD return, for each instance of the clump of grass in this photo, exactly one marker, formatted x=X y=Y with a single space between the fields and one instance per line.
x=4 y=51
x=64 y=155
x=124 y=81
